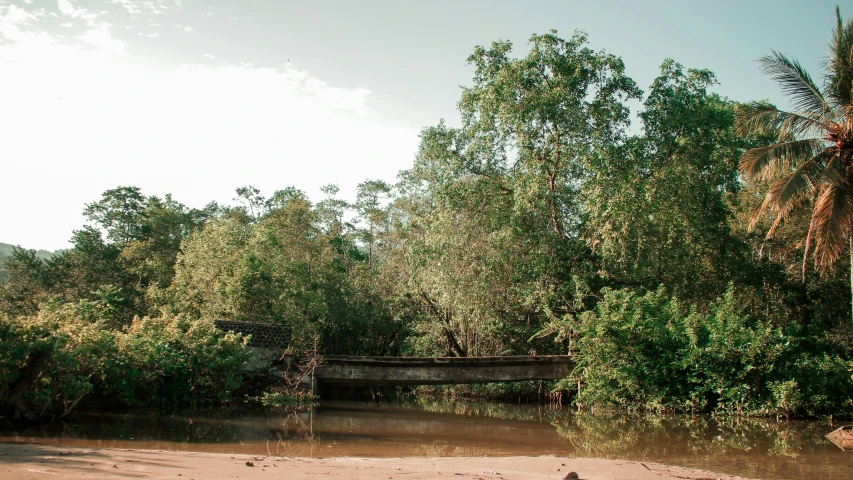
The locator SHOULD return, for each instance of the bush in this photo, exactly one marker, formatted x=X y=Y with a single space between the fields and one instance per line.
x=630 y=351
x=824 y=379
x=74 y=356
x=172 y=361
x=50 y=361
x=648 y=352
x=732 y=358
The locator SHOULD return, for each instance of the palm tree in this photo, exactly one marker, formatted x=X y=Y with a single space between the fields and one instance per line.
x=811 y=160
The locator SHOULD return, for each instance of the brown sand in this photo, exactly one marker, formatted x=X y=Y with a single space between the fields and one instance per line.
x=19 y=461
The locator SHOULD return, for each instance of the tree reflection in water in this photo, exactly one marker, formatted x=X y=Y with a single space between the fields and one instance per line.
x=758 y=448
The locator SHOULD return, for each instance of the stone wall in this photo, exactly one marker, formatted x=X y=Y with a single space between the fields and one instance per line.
x=266 y=345
x=263 y=335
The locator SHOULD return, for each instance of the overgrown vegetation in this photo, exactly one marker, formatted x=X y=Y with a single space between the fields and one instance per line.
x=541 y=225
x=6 y=252
x=53 y=360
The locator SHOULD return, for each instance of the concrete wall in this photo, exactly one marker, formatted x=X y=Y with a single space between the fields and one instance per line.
x=267 y=344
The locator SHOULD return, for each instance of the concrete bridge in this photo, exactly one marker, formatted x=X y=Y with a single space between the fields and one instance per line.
x=393 y=371
x=268 y=343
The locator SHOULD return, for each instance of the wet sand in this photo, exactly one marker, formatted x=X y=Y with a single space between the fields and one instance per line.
x=28 y=461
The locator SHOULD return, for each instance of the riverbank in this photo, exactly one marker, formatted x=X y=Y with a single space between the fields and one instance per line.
x=43 y=462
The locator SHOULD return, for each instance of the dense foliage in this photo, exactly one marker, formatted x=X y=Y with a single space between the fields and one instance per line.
x=651 y=351
x=542 y=224
x=810 y=161
x=6 y=252
x=52 y=360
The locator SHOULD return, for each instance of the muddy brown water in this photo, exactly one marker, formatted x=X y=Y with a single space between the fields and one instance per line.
x=766 y=449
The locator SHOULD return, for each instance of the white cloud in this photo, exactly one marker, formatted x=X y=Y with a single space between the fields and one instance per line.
x=101 y=39
x=187 y=28
x=16 y=26
x=153 y=35
x=66 y=24
x=79 y=119
x=207 y=55
x=135 y=7
x=66 y=7
x=129 y=6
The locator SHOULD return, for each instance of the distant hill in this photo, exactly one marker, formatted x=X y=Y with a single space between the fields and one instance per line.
x=6 y=252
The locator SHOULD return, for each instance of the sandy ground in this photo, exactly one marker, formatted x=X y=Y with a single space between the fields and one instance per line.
x=18 y=461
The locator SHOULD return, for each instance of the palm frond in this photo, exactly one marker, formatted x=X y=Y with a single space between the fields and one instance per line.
x=792 y=190
x=762 y=118
x=839 y=79
x=801 y=125
x=780 y=217
x=803 y=180
x=833 y=173
x=763 y=161
x=833 y=211
x=797 y=83
x=759 y=212
x=758 y=118
x=781 y=209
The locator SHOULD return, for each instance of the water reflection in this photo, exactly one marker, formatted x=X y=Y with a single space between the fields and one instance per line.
x=749 y=447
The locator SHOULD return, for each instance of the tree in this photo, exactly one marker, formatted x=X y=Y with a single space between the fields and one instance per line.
x=493 y=211
x=119 y=212
x=369 y=197
x=552 y=108
x=25 y=287
x=656 y=209
x=253 y=202
x=811 y=160
x=146 y=232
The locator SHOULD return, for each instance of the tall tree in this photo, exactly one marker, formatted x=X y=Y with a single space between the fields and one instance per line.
x=369 y=198
x=493 y=211
x=657 y=210
x=551 y=108
x=811 y=162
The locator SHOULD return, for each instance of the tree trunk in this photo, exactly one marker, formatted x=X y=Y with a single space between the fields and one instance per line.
x=850 y=239
x=33 y=367
x=454 y=344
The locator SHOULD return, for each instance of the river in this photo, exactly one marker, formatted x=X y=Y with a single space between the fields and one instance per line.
x=757 y=448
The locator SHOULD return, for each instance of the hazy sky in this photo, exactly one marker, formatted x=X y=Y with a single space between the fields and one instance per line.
x=197 y=98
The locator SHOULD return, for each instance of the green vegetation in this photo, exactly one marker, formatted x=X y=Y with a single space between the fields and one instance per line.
x=809 y=162
x=6 y=251
x=541 y=225
x=56 y=358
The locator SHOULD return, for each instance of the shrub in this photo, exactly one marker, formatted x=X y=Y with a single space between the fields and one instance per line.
x=165 y=362
x=630 y=352
x=731 y=358
x=75 y=356
x=647 y=352
x=172 y=361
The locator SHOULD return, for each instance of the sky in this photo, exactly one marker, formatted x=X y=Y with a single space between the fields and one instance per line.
x=197 y=98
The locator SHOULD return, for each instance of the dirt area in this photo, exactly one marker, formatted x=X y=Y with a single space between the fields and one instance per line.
x=19 y=461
